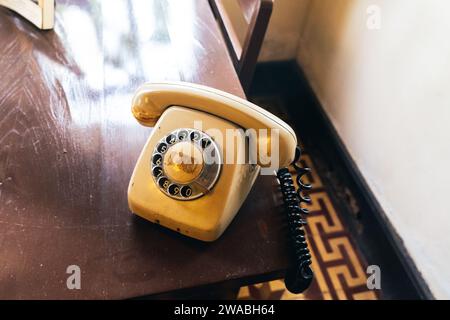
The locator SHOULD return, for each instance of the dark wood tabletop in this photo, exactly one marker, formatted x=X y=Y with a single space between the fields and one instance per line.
x=68 y=145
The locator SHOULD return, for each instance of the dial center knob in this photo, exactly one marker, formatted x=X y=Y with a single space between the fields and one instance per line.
x=183 y=162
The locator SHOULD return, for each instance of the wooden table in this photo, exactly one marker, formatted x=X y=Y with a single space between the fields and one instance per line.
x=68 y=144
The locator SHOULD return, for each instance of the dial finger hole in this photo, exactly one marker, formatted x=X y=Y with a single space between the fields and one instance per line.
x=186 y=191
x=163 y=182
x=182 y=135
x=162 y=147
x=194 y=136
x=205 y=143
x=157 y=172
x=173 y=189
x=171 y=138
x=157 y=159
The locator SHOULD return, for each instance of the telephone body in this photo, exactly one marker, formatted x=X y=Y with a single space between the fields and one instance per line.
x=198 y=198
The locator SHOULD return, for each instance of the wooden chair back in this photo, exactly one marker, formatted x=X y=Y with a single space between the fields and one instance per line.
x=244 y=55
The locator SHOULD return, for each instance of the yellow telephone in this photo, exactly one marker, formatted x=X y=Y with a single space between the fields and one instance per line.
x=184 y=178
x=199 y=164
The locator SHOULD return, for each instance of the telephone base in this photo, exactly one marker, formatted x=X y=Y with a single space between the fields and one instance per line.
x=206 y=217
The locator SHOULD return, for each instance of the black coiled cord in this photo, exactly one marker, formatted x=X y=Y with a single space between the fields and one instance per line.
x=298 y=277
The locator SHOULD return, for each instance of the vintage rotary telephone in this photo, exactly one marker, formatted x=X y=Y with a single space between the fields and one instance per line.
x=184 y=179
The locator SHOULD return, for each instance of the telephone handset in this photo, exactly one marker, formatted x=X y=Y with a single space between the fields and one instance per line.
x=202 y=158
x=151 y=100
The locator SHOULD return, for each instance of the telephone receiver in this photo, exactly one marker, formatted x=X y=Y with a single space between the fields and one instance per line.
x=151 y=100
x=202 y=158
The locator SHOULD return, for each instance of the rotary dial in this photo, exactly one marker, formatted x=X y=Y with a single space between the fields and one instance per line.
x=185 y=164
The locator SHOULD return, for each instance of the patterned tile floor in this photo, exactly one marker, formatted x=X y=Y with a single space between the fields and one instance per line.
x=338 y=266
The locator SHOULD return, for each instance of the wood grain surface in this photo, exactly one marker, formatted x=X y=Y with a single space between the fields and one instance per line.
x=68 y=145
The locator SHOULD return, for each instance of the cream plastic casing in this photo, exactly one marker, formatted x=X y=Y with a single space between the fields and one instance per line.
x=204 y=218
x=177 y=105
